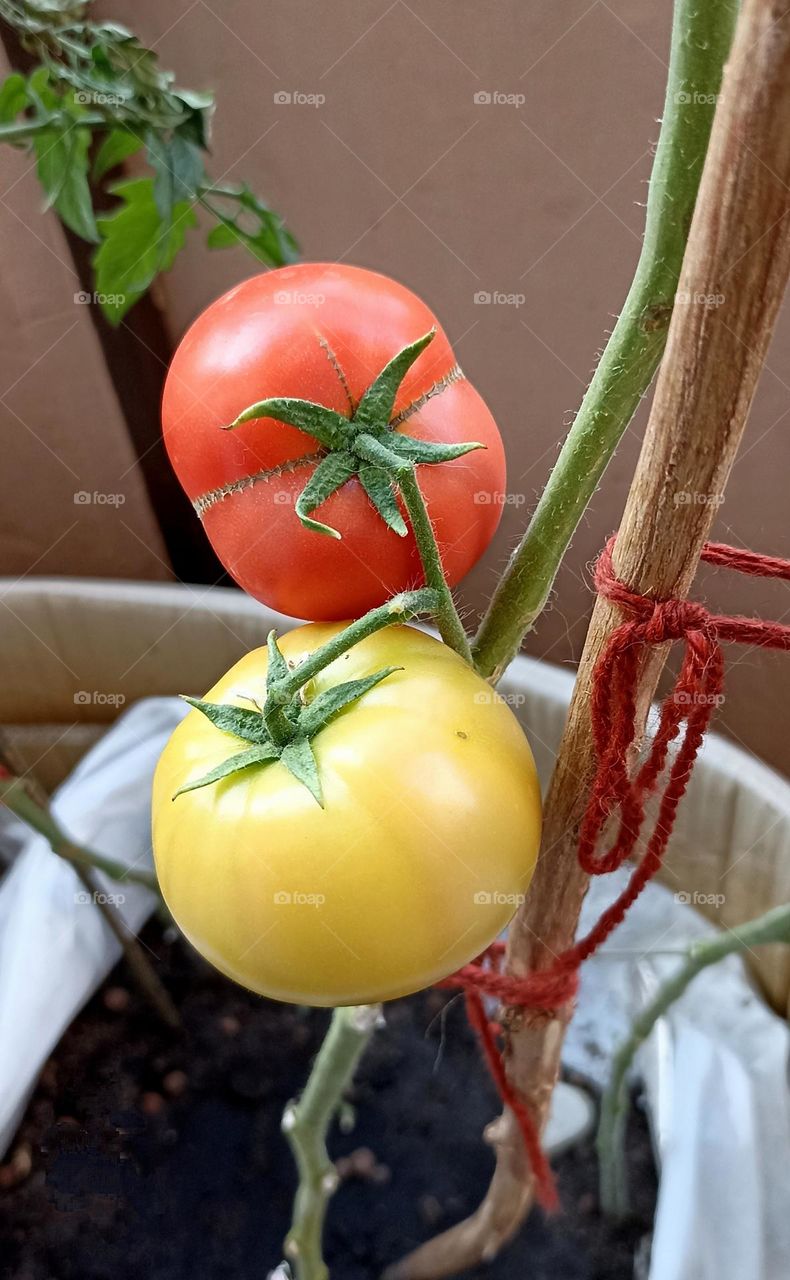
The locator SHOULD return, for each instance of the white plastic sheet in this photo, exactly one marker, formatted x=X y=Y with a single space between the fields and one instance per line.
x=715 y=1072
x=55 y=947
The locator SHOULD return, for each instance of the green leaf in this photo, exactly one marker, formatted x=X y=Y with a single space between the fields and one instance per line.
x=326 y=706
x=116 y=147
x=298 y=758
x=378 y=487
x=331 y=474
x=261 y=754
x=178 y=168
x=278 y=667
x=324 y=425
x=375 y=407
x=62 y=165
x=252 y=224
x=136 y=245
x=237 y=720
x=426 y=451
x=13 y=97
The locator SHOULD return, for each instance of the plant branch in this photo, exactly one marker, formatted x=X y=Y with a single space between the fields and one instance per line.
x=739 y=248
x=15 y=796
x=450 y=626
x=701 y=36
x=400 y=609
x=772 y=927
x=305 y=1125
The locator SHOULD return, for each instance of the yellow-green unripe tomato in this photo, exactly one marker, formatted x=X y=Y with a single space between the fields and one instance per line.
x=424 y=846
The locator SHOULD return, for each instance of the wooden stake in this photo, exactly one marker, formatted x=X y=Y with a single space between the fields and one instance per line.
x=734 y=276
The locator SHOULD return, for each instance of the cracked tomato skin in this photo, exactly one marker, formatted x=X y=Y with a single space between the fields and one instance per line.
x=322 y=332
x=427 y=838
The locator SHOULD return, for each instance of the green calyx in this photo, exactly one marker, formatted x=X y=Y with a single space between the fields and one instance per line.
x=364 y=445
x=284 y=727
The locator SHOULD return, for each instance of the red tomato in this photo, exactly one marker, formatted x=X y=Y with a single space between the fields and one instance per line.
x=322 y=332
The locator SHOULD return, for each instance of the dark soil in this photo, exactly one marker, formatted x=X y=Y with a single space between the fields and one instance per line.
x=159 y=1156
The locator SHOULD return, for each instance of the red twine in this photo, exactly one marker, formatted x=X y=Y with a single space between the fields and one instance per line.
x=684 y=715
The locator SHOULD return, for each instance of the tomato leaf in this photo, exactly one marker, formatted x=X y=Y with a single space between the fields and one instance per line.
x=13 y=97
x=330 y=475
x=427 y=451
x=116 y=147
x=136 y=245
x=178 y=168
x=326 y=706
x=264 y=753
x=375 y=407
x=62 y=166
x=237 y=720
x=298 y=758
x=324 y=425
x=378 y=487
x=253 y=224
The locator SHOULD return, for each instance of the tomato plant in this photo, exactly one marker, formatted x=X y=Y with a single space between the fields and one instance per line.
x=324 y=334
x=367 y=862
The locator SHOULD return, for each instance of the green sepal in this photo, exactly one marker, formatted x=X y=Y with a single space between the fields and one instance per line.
x=248 y=725
x=298 y=758
x=330 y=475
x=263 y=753
x=412 y=450
x=327 y=427
x=277 y=667
x=378 y=487
x=375 y=407
x=326 y=706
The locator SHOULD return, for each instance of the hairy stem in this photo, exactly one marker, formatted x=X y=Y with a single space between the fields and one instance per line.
x=400 y=609
x=450 y=626
x=701 y=37
x=774 y=926
x=305 y=1125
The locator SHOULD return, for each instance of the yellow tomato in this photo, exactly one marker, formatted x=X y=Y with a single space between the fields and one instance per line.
x=425 y=844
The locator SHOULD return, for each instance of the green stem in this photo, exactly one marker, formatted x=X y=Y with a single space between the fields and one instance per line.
x=22 y=130
x=305 y=1125
x=774 y=927
x=399 y=609
x=14 y=795
x=701 y=36
x=450 y=626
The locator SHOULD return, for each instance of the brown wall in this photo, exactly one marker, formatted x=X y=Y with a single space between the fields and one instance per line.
x=401 y=170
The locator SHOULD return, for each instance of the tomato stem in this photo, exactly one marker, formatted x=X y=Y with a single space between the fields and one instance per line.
x=701 y=37
x=400 y=609
x=306 y=1123
x=772 y=927
x=448 y=620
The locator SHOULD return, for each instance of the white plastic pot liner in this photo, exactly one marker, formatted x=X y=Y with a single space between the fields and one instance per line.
x=715 y=1071
x=55 y=947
